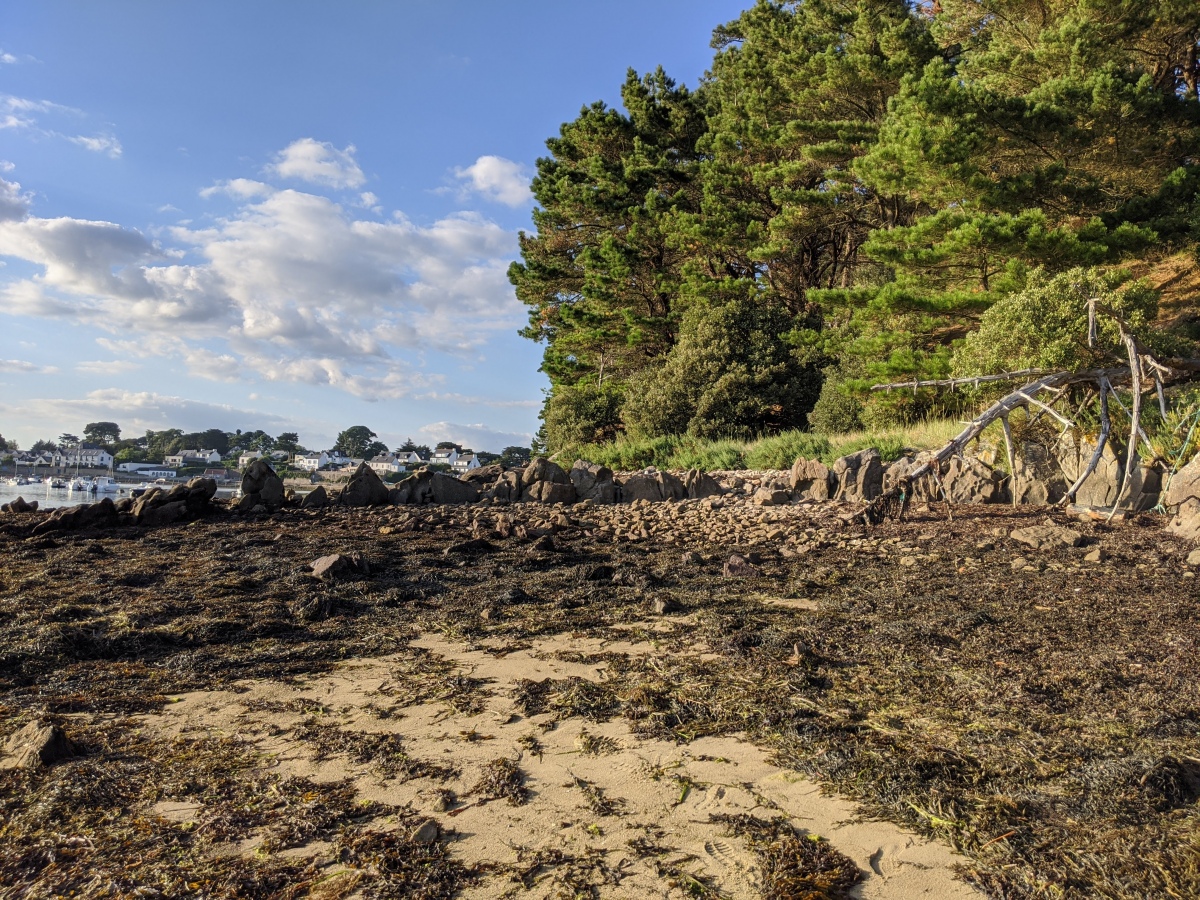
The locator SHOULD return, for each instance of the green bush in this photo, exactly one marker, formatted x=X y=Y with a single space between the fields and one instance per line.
x=836 y=410
x=581 y=414
x=780 y=451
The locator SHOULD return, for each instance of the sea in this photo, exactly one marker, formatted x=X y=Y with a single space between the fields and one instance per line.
x=48 y=497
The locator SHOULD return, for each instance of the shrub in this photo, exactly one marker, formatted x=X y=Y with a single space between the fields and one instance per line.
x=780 y=451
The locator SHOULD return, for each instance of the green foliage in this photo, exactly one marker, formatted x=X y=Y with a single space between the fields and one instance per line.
x=732 y=373
x=780 y=451
x=881 y=171
x=583 y=413
x=101 y=432
x=357 y=441
x=1045 y=326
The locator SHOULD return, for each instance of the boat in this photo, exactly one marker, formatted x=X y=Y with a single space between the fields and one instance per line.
x=18 y=479
x=78 y=484
x=52 y=481
x=103 y=484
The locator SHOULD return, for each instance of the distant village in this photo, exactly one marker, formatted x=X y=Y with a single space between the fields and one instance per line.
x=391 y=465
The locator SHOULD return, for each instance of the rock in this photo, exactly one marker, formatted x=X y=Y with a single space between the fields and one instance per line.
x=544 y=544
x=166 y=514
x=858 y=476
x=1183 y=501
x=970 y=480
x=432 y=487
x=364 y=488
x=19 y=506
x=698 y=485
x=593 y=482
x=339 y=564
x=1099 y=555
x=425 y=833
x=260 y=485
x=1193 y=558
x=810 y=479
x=1047 y=537
x=541 y=469
x=484 y=475
x=600 y=573
x=1037 y=479
x=317 y=498
x=908 y=561
x=665 y=605
x=73 y=518
x=652 y=486
x=691 y=558
x=768 y=497
x=38 y=744
x=549 y=492
x=198 y=492
x=1100 y=490
x=737 y=566
x=473 y=547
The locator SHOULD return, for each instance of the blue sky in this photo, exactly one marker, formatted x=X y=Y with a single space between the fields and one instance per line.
x=291 y=216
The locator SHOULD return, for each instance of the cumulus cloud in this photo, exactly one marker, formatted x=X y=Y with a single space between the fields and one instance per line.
x=106 y=366
x=318 y=162
x=7 y=59
x=477 y=437
x=104 y=143
x=497 y=179
x=290 y=287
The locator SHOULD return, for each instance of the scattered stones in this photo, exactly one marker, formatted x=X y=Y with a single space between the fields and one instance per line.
x=1047 y=537
x=1193 y=558
x=38 y=744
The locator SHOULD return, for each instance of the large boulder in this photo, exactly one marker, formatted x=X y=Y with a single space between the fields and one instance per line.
x=593 y=482
x=1183 y=501
x=858 y=477
x=810 y=479
x=317 y=498
x=653 y=486
x=261 y=486
x=364 y=488
x=506 y=488
x=971 y=480
x=19 y=506
x=432 y=487
x=698 y=485
x=1037 y=479
x=1074 y=452
x=545 y=482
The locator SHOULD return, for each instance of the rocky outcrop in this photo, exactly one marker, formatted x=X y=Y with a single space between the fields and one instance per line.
x=159 y=507
x=364 y=488
x=74 y=518
x=19 y=506
x=699 y=485
x=1100 y=489
x=432 y=487
x=261 y=487
x=858 y=477
x=545 y=482
x=810 y=479
x=1183 y=502
x=653 y=486
x=971 y=480
x=1037 y=479
x=593 y=482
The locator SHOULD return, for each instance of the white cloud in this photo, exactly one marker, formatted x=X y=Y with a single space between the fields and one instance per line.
x=106 y=366
x=291 y=287
x=477 y=437
x=497 y=179
x=104 y=143
x=367 y=200
x=239 y=188
x=24 y=367
x=318 y=162
x=7 y=58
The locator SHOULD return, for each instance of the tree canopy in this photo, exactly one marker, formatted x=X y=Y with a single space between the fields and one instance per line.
x=847 y=192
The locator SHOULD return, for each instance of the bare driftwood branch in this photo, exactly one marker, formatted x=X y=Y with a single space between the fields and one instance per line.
x=955 y=382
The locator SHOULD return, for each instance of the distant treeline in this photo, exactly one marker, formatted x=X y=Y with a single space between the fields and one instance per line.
x=852 y=192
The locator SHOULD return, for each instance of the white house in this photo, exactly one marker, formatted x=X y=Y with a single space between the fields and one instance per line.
x=387 y=463
x=310 y=462
x=409 y=457
x=194 y=458
x=137 y=466
x=444 y=457
x=465 y=463
x=84 y=458
x=247 y=458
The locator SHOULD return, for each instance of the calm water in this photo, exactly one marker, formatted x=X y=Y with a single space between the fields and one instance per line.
x=49 y=497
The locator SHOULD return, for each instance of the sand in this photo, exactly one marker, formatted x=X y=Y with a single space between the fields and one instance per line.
x=605 y=807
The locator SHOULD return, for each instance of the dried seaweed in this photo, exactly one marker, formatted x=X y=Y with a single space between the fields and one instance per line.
x=794 y=866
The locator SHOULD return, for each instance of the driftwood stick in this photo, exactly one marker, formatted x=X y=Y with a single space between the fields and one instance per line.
x=956 y=382
x=1063 y=420
x=1135 y=372
x=1012 y=463
x=1101 y=442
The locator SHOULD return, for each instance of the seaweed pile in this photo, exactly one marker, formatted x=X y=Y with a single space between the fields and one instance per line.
x=1037 y=711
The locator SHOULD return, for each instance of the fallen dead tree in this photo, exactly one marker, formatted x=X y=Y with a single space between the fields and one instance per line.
x=1057 y=395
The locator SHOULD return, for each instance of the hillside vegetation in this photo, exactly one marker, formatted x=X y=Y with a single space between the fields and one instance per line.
x=861 y=191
